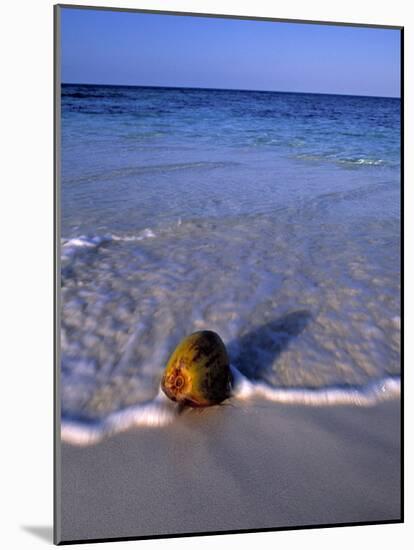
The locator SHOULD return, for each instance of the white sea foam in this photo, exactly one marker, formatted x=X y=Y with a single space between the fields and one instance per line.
x=156 y=413
x=84 y=242
x=162 y=412
x=342 y=161
x=145 y=234
x=72 y=246
x=379 y=390
x=363 y=161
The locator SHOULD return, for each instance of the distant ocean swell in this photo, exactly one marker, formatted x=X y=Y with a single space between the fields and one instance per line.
x=161 y=412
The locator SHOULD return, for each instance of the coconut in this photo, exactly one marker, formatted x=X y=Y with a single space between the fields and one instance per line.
x=198 y=372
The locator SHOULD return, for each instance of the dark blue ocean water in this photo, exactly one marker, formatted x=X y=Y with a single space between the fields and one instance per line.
x=123 y=144
x=272 y=218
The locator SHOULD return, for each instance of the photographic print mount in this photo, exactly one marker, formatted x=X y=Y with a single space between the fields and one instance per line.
x=181 y=222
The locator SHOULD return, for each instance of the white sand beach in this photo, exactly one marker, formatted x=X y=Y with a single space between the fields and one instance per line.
x=236 y=467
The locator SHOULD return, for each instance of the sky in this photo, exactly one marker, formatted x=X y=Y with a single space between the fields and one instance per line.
x=110 y=47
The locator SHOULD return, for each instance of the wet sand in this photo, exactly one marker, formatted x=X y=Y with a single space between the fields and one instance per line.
x=255 y=466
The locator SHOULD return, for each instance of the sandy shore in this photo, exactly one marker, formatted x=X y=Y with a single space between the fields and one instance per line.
x=236 y=467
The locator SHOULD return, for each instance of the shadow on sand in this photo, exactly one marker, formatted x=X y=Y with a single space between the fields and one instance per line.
x=255 y=352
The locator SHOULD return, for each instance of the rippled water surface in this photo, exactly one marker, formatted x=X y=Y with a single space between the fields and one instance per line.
x=270 y=218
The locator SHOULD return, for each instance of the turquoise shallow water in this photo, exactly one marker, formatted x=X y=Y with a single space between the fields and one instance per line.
x=271 y=218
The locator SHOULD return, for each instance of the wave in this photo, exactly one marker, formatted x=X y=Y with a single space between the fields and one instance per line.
x=131 y=171
x=363 y=396
x=162 y=412
x=362 y=161
x=86 y=95
x=70 y=247
x=351 y=162
x=156 y=413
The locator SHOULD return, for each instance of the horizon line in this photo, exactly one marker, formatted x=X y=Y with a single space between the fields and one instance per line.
x=225 y=89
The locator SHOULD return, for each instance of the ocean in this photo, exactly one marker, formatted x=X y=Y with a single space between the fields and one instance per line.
x=270 y=218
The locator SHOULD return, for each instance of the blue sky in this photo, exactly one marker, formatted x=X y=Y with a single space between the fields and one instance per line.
x=108 y=47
